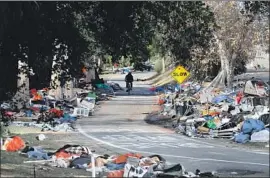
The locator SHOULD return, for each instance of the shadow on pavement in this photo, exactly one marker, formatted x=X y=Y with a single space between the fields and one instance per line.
x=136 y=91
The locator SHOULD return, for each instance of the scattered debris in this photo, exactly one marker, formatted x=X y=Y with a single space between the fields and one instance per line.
x=241 y=114
x=123 y=165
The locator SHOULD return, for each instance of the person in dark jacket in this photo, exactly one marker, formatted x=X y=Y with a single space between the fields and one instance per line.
x=129 y=79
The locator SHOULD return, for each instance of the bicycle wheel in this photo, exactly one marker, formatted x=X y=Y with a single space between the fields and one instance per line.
x=129 y=91
x=129 y=88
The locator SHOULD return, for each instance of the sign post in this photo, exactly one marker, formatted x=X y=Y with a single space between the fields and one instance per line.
x=180 y=74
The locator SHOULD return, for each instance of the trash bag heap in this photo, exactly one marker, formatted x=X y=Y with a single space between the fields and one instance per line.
x=44 y=111
x=82 y=157
x=241 y=114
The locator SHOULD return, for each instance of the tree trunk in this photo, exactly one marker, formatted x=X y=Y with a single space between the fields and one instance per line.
x=219 y=80
x=224 y=67
x=56 y=90
x=22 y=94
x=163 y=64
x=230 y=71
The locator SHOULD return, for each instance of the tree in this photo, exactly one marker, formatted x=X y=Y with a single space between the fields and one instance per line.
x=182 y=26
x=30 y=32
x=78 y=32
x=235 y=37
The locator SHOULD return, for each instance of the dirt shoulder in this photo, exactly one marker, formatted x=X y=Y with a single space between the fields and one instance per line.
x=12 y=163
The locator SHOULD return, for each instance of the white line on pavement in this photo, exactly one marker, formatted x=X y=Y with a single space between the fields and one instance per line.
x=216 y=153
x=176 y=156
x=262 y=153
x=206 y=143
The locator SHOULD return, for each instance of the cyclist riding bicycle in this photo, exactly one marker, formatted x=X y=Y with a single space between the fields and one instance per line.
x=129 y=80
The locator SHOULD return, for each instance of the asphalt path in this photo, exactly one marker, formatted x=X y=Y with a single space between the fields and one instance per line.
x=119 y=125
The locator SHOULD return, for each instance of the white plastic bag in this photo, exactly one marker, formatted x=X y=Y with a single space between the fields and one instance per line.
x=261 y=136
x=41 y=137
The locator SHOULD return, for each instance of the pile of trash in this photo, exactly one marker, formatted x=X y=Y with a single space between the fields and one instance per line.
x=241 y=114
x=44 y=111
x=82 y=157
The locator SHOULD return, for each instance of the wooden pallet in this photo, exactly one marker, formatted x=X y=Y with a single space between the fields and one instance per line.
x=224 y=133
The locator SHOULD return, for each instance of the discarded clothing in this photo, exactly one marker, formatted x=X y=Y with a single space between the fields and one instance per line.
x=112 y=166
x=80 y=162
x=64 y=155
x=67 y=119
x=38 y=153
x=74 y=149
x=78 y=150
x=123 y=158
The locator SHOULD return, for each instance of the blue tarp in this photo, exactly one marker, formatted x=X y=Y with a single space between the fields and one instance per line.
x=221 y=98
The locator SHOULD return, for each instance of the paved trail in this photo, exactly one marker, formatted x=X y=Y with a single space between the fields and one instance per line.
x=119 y=125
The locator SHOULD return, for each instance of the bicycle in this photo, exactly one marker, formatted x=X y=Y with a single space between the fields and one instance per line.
x=129 y=88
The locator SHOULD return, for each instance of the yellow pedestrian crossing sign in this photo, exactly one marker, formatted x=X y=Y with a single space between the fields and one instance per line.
x=180 y=74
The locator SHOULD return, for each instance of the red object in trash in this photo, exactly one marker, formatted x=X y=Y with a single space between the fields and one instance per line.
x=123 y=158
x=35 y=109
x=239 y=97
x=8 y=113
x=152 y=89
x=33 y=91
x=161 y=101
x=57 y=112
x=116 y=173
x=45 y=89
x=63 y=154
x=15 y=143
